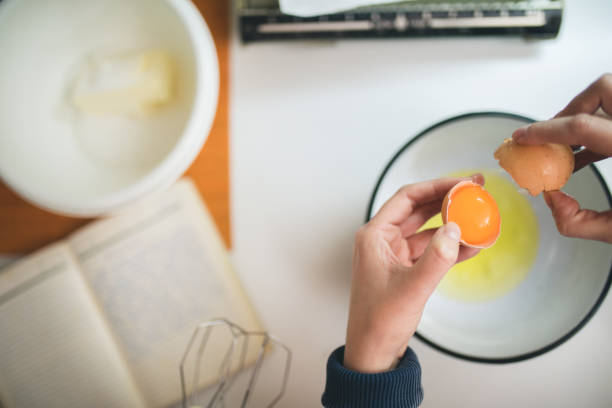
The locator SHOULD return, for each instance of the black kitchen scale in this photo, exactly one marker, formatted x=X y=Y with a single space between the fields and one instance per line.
x=262 y=20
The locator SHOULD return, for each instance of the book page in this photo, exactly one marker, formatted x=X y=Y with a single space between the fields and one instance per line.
x=56 y=350
x=158 y=269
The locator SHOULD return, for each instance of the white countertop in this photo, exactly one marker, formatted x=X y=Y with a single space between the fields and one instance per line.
x=313 y=125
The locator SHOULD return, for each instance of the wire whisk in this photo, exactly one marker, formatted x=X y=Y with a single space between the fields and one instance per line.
x=234 y=359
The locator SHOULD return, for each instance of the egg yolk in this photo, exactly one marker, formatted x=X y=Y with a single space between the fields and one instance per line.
x=475 y=211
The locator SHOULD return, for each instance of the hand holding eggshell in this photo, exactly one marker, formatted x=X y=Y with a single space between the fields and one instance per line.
x=396 y=267
x=585 y=121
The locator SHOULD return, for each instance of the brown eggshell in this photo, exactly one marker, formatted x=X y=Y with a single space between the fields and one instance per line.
x=444 y=210
x=444 y=213
x=538 y=168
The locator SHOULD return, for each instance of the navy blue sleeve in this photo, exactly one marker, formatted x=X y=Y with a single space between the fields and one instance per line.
x=400 y=387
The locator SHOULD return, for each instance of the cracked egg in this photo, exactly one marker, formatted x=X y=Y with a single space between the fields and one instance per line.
x=476 y=213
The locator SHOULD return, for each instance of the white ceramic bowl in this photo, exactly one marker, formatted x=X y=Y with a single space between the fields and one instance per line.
x=85 y=166
x=567 y=282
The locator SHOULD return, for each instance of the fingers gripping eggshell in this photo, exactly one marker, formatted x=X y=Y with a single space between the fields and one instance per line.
x=538 y=168
x=475 y=211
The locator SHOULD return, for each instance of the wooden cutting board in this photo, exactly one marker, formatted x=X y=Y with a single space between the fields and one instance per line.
x=24 y=228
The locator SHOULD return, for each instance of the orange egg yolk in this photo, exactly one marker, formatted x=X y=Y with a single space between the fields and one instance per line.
x=475 y=211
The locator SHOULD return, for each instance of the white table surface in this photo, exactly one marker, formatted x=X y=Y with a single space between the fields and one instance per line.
x=312 y=126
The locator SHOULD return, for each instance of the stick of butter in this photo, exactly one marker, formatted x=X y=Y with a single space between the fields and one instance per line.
x=132 y=84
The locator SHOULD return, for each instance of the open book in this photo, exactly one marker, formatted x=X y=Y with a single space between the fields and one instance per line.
x=102 y=318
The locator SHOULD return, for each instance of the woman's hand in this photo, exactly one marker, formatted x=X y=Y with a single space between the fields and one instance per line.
x=395 y=270
x=583 y=122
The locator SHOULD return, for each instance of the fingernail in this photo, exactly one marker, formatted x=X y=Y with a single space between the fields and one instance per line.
x=476 y=177
x=520 y=133
x=452 y=231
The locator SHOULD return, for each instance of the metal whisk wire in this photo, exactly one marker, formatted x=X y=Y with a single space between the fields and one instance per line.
x=239 y=339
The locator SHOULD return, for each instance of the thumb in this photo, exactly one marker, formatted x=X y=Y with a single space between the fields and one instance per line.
x=573 y=221
x=440 y=255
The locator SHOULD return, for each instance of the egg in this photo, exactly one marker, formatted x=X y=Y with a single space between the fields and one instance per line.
x=476 y=213
x=538 y=168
